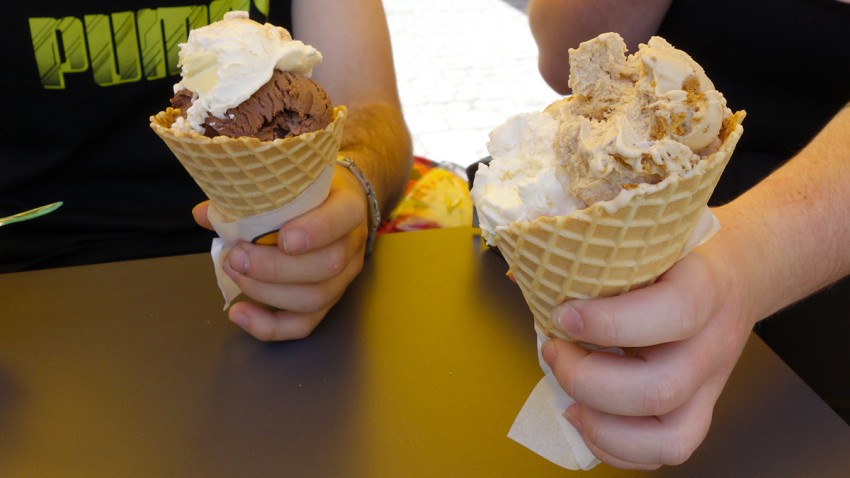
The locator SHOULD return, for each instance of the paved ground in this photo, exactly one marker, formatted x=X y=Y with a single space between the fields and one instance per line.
x=464 y=67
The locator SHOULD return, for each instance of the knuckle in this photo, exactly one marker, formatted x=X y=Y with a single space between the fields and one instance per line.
x=662 y=396
x=689 y=311
x=321 y=222
x=301 y=334
x=278 y=274
x=260 y=265
x=301 y=330
x=602 y=325
x=685 y=442
x=264 y=335
x=335 y=261
x=284 y=328
x=611 y=327
x=676 y=452
x=698 y=302
x=685 y=438
x=314 y=299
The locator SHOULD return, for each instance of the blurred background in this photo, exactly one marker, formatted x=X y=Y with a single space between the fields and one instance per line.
x=463 y=68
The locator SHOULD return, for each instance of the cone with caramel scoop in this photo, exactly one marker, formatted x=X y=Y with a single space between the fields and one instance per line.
x=595 y=252
x=600 y=193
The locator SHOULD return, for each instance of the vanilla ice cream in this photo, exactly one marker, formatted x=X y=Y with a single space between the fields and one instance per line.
x=524 y=179
x=631 y=122
x=225 y=62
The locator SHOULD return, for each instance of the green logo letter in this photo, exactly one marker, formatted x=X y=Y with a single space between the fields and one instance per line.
x=60 y=47
x=114 y=48
x=219 y=7
x=161 y=31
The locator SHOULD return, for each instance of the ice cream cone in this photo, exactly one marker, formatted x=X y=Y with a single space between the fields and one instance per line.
x=607 y=249
x=245 y=176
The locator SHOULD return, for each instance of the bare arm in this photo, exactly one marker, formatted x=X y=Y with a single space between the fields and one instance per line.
x=802 y=214
x=357 y=71
x=559 y=25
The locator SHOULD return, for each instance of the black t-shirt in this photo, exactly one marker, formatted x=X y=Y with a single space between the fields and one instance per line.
x=786 y=62
x=783 y=61
x=81 y=80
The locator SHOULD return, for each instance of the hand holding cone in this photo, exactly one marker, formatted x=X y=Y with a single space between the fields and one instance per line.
x=594 y=252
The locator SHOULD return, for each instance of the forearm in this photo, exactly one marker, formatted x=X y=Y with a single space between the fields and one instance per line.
x=358 y=72
x=558 y=25
x=791 y=232
x=377 y=139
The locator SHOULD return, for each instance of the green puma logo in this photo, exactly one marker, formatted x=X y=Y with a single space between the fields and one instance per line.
x=121 y=47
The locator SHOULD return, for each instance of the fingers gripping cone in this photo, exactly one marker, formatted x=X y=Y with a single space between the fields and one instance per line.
x=254 y=186
x=597 y=252
x=245 y=176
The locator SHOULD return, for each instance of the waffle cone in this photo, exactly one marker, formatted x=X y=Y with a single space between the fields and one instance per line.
x=602 y=251
x=245 y=176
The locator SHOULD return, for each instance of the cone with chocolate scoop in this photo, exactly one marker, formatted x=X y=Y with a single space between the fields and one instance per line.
x=607 y=249
x=245 y=176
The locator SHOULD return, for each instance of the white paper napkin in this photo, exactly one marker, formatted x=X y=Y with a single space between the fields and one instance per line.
x=252 y=227
x=541 y=426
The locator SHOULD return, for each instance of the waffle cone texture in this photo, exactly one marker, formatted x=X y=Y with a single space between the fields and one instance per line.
x=245 y=176
x=598 y=252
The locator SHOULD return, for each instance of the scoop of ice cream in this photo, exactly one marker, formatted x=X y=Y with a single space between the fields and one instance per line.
x=226 y=62
x=290 y=104
x=524 y=179
x=631 y=121
x=634 y=119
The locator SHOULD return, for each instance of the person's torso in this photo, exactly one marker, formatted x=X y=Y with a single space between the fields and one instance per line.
x=82 y=79
x=783 y=61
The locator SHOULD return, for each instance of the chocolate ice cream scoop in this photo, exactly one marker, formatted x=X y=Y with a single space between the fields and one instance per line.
x=288 y=105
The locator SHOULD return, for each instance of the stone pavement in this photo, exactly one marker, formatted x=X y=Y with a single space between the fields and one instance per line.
x=463 y=67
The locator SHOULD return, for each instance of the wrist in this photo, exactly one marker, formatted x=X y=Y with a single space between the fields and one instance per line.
x=373 y=216
x=751 y=269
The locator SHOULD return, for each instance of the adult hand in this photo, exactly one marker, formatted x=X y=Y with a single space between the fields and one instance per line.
x=780 y=241
x=316 y=257
x=682 y=337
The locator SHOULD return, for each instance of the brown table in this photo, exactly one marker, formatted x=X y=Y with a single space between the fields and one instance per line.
x=131 y=369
